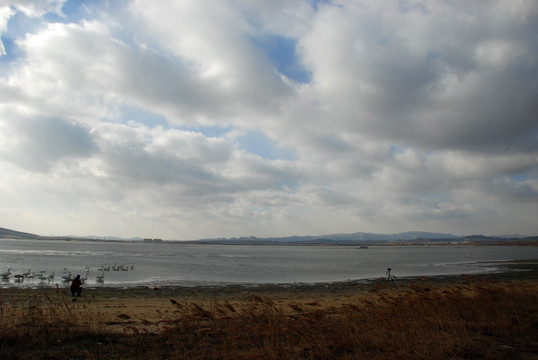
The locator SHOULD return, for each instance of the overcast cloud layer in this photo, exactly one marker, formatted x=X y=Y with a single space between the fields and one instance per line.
x=187 y=119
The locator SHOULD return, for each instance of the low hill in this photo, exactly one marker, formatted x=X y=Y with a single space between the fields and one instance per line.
x=7 y=233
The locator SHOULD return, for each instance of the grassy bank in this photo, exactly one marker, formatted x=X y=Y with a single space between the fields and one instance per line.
x=466 y=319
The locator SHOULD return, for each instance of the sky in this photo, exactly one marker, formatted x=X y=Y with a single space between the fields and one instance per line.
x=181 y=119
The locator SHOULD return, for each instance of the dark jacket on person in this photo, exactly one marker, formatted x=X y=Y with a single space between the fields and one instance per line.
x=76 y=283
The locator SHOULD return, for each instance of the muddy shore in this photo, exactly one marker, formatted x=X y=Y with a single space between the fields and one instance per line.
x=507 y=271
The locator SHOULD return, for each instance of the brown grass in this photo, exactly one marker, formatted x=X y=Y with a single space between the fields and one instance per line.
x=469 y=319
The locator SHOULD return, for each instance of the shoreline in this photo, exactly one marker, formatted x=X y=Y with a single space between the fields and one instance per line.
x=506 y=271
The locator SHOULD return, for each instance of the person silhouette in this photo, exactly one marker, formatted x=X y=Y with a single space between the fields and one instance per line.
x=76 y=286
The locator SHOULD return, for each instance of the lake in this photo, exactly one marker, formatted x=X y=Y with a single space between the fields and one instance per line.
x=173 y=264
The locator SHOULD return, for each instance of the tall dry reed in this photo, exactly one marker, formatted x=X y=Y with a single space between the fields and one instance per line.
x=464 y=320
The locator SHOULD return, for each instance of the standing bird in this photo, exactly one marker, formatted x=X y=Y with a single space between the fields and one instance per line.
x=6 y=274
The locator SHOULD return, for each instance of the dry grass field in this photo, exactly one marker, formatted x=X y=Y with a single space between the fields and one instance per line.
x=468 y=318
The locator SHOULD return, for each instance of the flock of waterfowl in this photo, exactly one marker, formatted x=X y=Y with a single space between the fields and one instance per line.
x=66 y=275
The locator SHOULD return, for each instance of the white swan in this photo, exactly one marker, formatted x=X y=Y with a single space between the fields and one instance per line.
x=6 y=274
x=68 y=276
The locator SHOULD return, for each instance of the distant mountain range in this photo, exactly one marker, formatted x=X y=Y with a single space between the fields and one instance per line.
x=353 y=238
x=358 y=236
x=369 y=238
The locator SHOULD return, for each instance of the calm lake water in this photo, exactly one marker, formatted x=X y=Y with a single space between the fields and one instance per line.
x=150 y=264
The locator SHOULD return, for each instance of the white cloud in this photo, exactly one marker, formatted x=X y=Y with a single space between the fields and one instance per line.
x=37 y=143
x=417 y=116
x=35 y=8
x=423 y=79
x=213 y=42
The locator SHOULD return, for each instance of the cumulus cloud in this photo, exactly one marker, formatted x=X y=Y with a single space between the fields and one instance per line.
x=185 y=119
x=35 y=7
x=37 y=143
x=427 y=78
x=232 y=67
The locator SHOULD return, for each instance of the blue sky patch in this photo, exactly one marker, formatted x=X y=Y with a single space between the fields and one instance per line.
x=399 y=149
x=152 y=119
x=212 y=131
x=256 y=142
x=73 y=10
x=281 y=51
x=521 y=177
x=12 y=52
x=316 y=4
x=78 y=10
x=17 y=27
x=148 y=118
